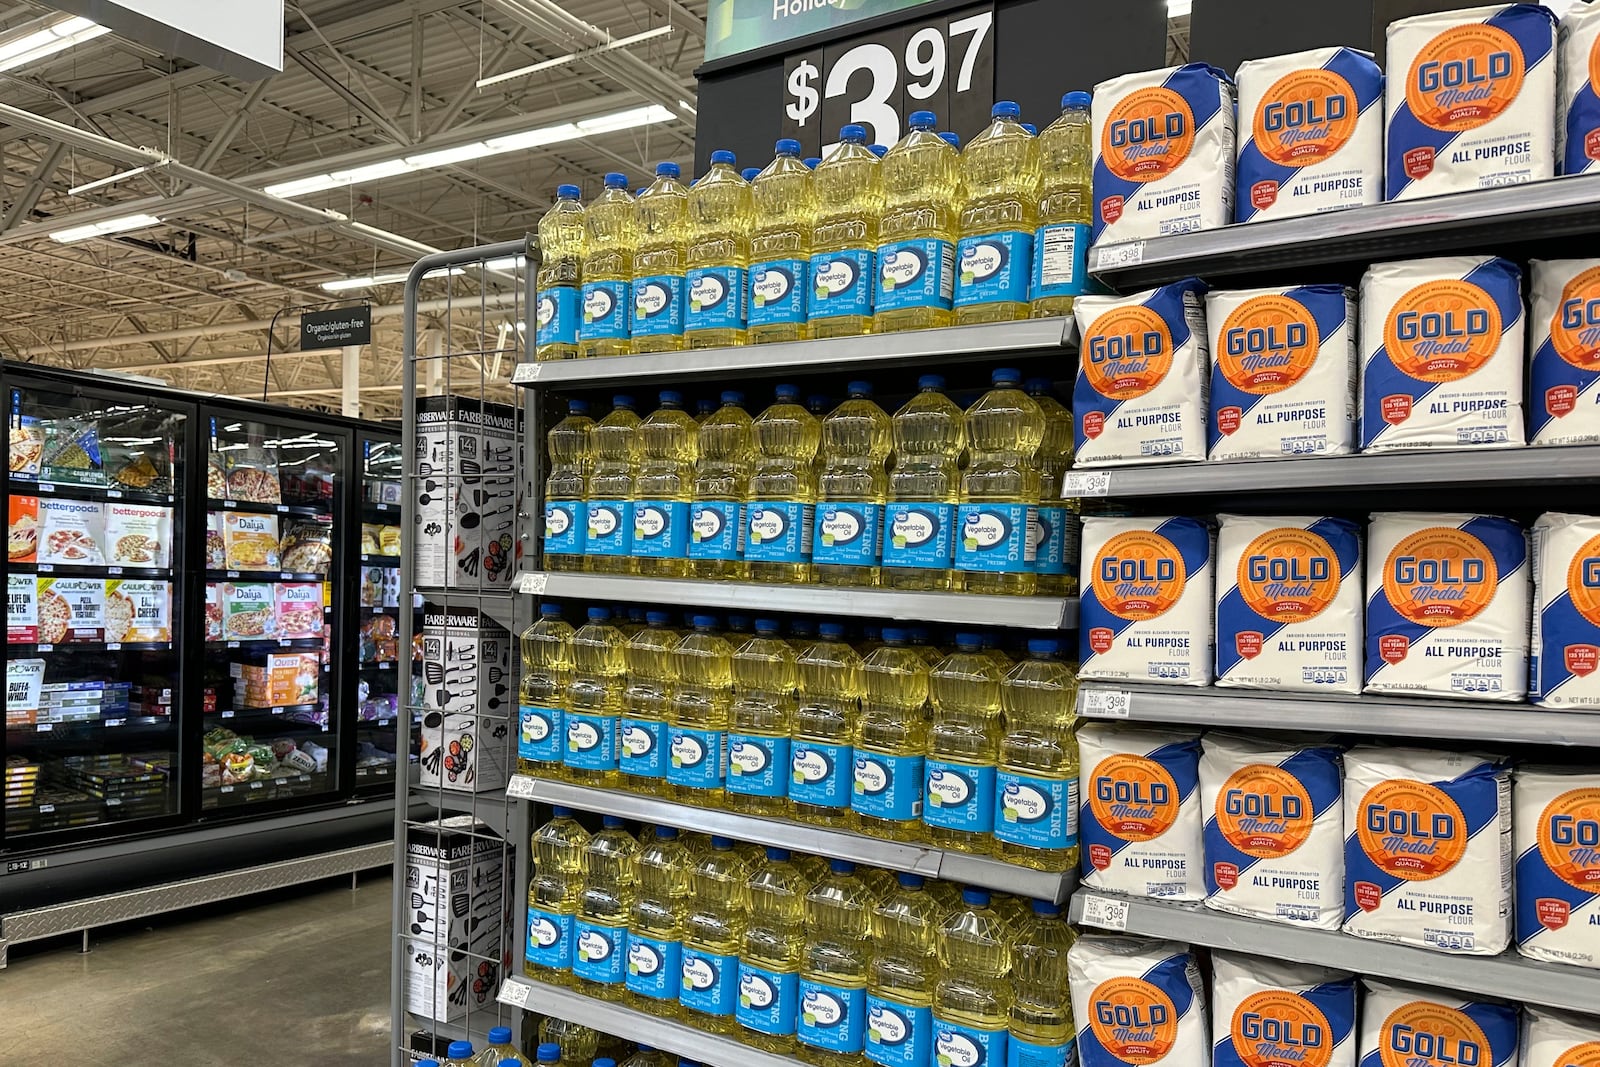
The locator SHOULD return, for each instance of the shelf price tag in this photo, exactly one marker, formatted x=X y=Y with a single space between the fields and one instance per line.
x=1105 y=912
x=46 y=727
x=1086 y=483
x=533 y=584
x=520 y=787
x=1126 y=254
x=1107 y=703
x=525 y=373
x=515 y=993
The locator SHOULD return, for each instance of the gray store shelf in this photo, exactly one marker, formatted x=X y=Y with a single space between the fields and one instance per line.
x=714 y=1050
x=1392 y=717
x=1478 y=221
x=918 y=348
x=780 y=833
x=1507 y=976
x=1023 y=612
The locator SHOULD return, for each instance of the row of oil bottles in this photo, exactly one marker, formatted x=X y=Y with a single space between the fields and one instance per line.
x=832 y=962
x=895 y=738
x=556 y=1042
x=858 y=499
x=927 y=235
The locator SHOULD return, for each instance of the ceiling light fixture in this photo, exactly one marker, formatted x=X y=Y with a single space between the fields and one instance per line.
x=111 y=179
x=1178 y=8
x=104 y=229
x=45 y=37
x=339 y=285
x=620 y=42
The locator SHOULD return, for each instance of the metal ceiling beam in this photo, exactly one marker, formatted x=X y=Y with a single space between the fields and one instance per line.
x=28 y=199
x=219 y=144
x=349 y=96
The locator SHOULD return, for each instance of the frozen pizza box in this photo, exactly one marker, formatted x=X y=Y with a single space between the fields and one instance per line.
x=213 y=611
x=71 y=609
x=138 y=610
x=23 y=679
x=251 y=541
x=216 y=547
x=71 y=532
x=27 y=442
x=22 y=609
x=22 y=543
x=299 y=609
x=138 y=535
x=72 y=453
x=249 y=611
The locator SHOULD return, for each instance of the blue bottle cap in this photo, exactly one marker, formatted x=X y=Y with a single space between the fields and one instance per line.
x=766 y=626
x=1043 y=646
x=509 y=1062
x=722 y=844
x=668 y=170
x=951 y=138
x=547 y=611
x=1046 y=907
x=732 y=396
x=1006 y=109
x=499 y=1035
x=705 y=406
x=657 y=618
x=811 y=162
x=616 y=180
x=909 y=880
x=830 y=629
x=1076 y=98
x=605 y=1061
x=670 y=398
x=567 y=192
x=859 y=388
x=1006 y=376
x=666 y=833
x=968 y=642
x=779 y=854
x=577 y=407
x=611 y=822
x=786 y=146
x=458 y=1050
x=738 y=623
x=750 y=174
x=841 y=867
x=1033 y=131
x=894 y=635
x=879 y=150
x=931 y=381
x=801 y=627
x=549 y=1052
x=1035 y=386
x=427 y=1063
x=622 y=400
x=687 y=1063
x=817 y=402
x=644 y=1048
x=787 y=392
x=978 y=898
x=705 y=622
x=599 y=614
x=560 y=812
x=722 y=155
x=922 y=120
x=853 y=132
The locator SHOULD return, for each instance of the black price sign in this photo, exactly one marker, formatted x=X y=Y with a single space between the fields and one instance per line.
x=944 y=65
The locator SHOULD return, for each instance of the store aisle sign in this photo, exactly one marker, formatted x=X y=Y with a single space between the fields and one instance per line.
x=242 y=38
x=737 y=26
x=336 y=328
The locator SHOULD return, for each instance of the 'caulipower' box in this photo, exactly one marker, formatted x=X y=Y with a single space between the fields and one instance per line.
x=1564 y=664
x=1145 y=614
x=1311 y=134
x=1442 y=340
x=1283 y=372
x=1471 y=100
x=1555 y=814
x=1578 y=117
x=1563 y=372
x=1163 y=152
x=1142 y=373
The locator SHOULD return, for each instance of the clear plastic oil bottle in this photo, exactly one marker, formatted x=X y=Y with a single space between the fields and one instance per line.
x=1041 y=1026
x=834 y=969
x=577 y=1043
x=594 y=701
x=802 y=634
x=609 y=543
x=642 y=729
x=1060 y=525
x=1000 y=173
x=972 y=1001
x=1061 y=244
x=656 y=924
x=822 y=758
x=749 y=173
x=915 y=283
x=499 y=1048
x=963 y=746
x=566 y=491
x=660 y=255
x=719 y=906
x=929 y=433
x=726 y=454
x=770 y=955
x=844 y=242
x=600 y=956
x=718 y=257
x=765 y=678
x=903 y=972
x=847 y=544
x=783 y=492
x=669 y=441
x=697 y=715
x=785 y=213
x=890 y=739
x=542 y=695
x=608 y=272
x=459 y=1054
x=562 y=238
x=1036 y=798
x=555 y=887
x=1000 y=491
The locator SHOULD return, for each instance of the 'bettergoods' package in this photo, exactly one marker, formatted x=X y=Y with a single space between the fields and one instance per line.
x=1265 y=1013
x=1395 y=1017
x=1145 y=613
x=1556 y=828
x=1140 y=822
x=1564 y=370
x=1311 y=134
x=1578 y=117
x=1564 y=668
x=1163 y=153
x=1137 y=1002
x=1471 y=100
x=1427 y=853
x=1140 y=394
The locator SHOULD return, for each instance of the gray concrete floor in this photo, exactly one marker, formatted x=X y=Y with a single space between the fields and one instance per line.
x=300 y=979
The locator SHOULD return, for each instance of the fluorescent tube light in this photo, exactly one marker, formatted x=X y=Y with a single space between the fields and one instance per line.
x=1179 y=8
x=104 y=229
x=621 y=42
x=339 y=285
x=31 y=43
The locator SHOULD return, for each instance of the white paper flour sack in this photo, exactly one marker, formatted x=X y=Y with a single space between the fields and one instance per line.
x=1270 y=1014
x=1558 y=1039
x=1137 y=1002
x=1556 y=827
x=1145 y=614
x=1140 y=818
x=1409 y=1026
x=1564 y=665
x=1564 y=369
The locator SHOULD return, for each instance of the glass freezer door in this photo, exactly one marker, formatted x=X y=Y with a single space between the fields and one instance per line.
x=378 y=610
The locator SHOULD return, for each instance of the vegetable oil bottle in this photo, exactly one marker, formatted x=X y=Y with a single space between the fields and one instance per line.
x=668 y=443
x=764 y=682
x=594 y=701
x=917 y=237
x=770 y=954
x=608 y=271
x=554 y=890
x=972 y=1002
x=566 y=491
x=719 y=906
x=459 y=1054
x=1000 y=490
x=562 y=236
x=890 y=736
x=845 y=239
x=1060 y=528
x=659 y=258
x=785 y=205
x=919 y=539
x=703 y=409
x=848 y=542
x=821 y=756
x=645 y=1056
x=880 y=881
x=1036 y=787
x=902 y=976
x=577 y=1042
x=655 y=925
x=600 y=957
x=749 y=173
x=616 y=456
x=1061 y=244
x=1041 y=1008
x=642 y=729
x=500 y=1048
x=783 y=492
x=719 y=255
x=726 y=454
x=542 y=694
x=1000 y=173
x=963 y=742
x=802 y=634
x=697 y=715
x=833 y=970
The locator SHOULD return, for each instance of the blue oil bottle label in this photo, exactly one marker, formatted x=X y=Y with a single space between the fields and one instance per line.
x=1020 y=1053
x=1061 y=259
x=967 y=1046
x=898 y=1035
x=768 y=1000
x=591 y=741
x=716 y=298
x=610 y=528
x=995 y=537
x=832 y=1018
x=710 y=982
x=1056 y=536
x=661 y=529
x=758 y=766
x=919 y=534
x=641 y=747
x=658 y=305
x=887 y=786
x=841 y=284
x=915 y=274
x=566 y=528
x=777 y=531
x=848 y=534
x=1036 y=812
x=778 y=292
x=549 y=939
x=557 y=316
x=655 y=968
x=821 y=775
x=542 y=731
x=606 y=307
x=716 y=529
x=600 y=953
x=994 y=268
x=697 y=758
x=960 y=796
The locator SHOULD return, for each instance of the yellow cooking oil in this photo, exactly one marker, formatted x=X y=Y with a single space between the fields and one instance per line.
x=902 y=974
x=1036 y=824
x=542 y=695
x=609 y=545
x=697 y=715
x=999 y=507
x=607 y=292
x=566 y=490
x=1000 y=174
x=555 y=887
x=783 y=492
x=822 y=758
x=656 y=924
x=784 y=202
x=890 y=740
x=1041 y=1027
x=719 y=907
x=562 y=237
x=844 y=241
x=770 y=954
x=669 y=441
x=929 y=434
x=718 y=260
x=725 y=456
x=834 y=969
x=600 y=954
x=661 y=215
x=972 y=1000
x=1060 y=522
x=594 y=701
x=647 y=685
x=963 y=745
x=847 y=544
x=915 y=283
x=1061 y=243
x=765 y=678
